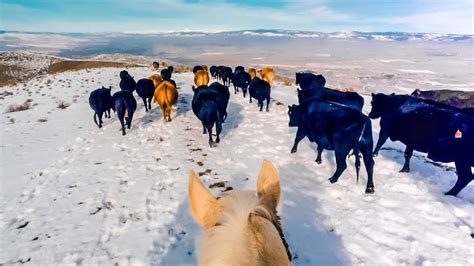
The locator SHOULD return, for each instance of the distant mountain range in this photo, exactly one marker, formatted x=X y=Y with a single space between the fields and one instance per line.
x=381 y=36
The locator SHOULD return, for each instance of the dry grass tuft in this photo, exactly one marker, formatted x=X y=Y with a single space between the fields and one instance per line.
x=182 y=69
x=285 y=80
x=19 y=107
x=76 y=65
x=63 y=105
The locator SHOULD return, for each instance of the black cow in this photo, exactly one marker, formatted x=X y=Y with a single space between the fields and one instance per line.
x=197 y=68
x=239 y=68
x=222 y=98
x=166 y=73
x=146 y=89
x=100 y=101
x=214 y=71
x=335 y=127
x=459 y=99
x=127 y=82
x=458 y=149
x=205 y=106
x=351 y=99
x=123 y=101
x=241 y=80
x=225 y=74
x=259 y=89
x=419 y=124
x=307 y=80
x=347 y=98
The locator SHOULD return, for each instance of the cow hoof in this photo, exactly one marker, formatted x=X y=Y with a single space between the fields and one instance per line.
x=449 y=193
x=375 y=154
x=405 y=170
x=123 y=133
x=100 y=126
x=218 y=140
x=332 y=180
x=369 y=190
x=293 y=150
x=318 y=161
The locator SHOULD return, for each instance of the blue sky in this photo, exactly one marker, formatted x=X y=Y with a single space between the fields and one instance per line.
x=437 y=16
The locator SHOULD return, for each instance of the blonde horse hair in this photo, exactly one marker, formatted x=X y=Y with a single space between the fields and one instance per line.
x=241 y=227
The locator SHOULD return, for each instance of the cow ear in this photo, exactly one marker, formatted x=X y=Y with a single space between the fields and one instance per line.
x=268 y=185
x=202 y=202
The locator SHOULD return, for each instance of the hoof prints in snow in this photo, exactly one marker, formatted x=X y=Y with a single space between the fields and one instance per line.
x=91 y=196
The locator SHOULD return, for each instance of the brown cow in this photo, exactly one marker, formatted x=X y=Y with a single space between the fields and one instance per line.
x=166 y=96
x=156 y=78
x=252 y=72
x=267 y=74
x=201 y=77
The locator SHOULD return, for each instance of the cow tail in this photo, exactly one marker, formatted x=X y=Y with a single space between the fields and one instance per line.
x=357 y=161
x=219 y=117
x=167 y=100
x=356 y=150
x=95 y=119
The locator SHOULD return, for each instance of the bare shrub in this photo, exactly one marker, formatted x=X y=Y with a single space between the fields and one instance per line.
x=63 y=105
x=182 y=69
x=19 y=107
x=285 y=80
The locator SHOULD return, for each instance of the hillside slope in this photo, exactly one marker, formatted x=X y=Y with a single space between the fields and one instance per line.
x=73 y=193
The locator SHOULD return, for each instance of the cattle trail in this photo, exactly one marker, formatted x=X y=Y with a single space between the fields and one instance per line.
x=111 y=199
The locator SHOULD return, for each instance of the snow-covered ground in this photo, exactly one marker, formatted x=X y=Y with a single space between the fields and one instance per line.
x=75 y=194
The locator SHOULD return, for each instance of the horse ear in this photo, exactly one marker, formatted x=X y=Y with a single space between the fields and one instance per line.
x=203 y=204
x=268 y=185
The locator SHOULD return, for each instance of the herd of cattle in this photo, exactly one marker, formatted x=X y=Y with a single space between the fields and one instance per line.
x=439 y=123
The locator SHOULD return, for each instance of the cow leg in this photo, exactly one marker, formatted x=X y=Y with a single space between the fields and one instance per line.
x=299 y=136
x=369 y=166
x=406 y=165
x=209 y=131
x=129 y=119
x=121 y=119
x=144 y=102
x=149 y=104
x=268 y=102
x=95 y=120
x=465 y=176
x=250 y=98
x=235 y=89
x=218 y=132
x=244 y=91
x=318 y=158
x=108 y=111
x=203 y=128
x=383 y=136
x=100 y=119
x=163 y=111
x=340 y=165
x=168 y=113
x=260 y=104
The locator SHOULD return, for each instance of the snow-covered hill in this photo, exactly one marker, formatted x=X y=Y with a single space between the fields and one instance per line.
x=75 y=194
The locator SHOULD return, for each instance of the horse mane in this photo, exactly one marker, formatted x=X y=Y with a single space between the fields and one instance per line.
x=226 y=240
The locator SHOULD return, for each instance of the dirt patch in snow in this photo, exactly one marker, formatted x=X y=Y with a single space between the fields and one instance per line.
x=76 y=65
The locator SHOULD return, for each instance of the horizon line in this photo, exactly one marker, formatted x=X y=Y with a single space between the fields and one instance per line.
x=218 y=32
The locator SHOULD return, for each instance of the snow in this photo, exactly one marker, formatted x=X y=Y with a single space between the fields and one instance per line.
x=416 y=71
x=75 y=194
